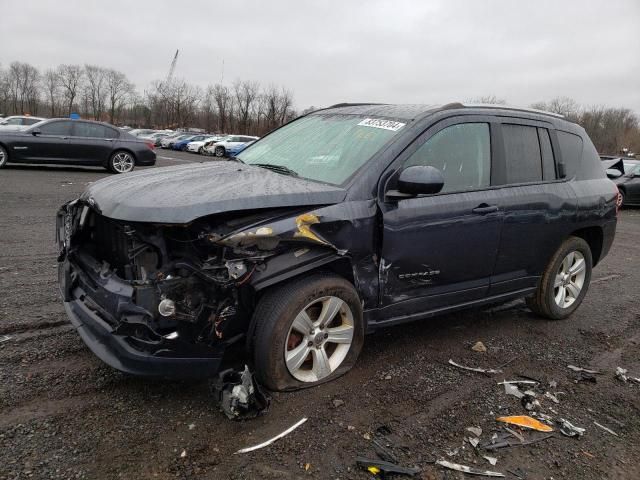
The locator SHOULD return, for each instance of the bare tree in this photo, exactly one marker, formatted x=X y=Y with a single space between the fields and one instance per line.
x=489 y=100
x=51 y=82
x=96 y=88
x=222 y=98
x=561 y=105
x=70 y=80
x=117 y=90
x=245 y=94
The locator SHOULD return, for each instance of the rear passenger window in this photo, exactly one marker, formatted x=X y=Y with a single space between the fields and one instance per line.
x=571 y=149
x=461 y=152
x=93 y=130
x=548 y=162
x=522 y=150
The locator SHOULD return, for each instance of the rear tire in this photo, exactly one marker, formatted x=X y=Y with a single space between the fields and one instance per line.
x=121 y=162
x=621 y=198
x=564 y=282
x=321 y=318
x=4 y=156
x=220 y=152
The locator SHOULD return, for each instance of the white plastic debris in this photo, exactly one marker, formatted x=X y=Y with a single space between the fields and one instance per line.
x=518 y=382
x=271 y=440
x=4 y=338
x=511 y=389
x=551 y=397
x=469 y=470
x=580 y=369
x=477 y=431
x=491 y=460
x=475 y=369
x=608 y=430
x=621 y=374
x=569 y=429
x=183 y=454
x=473 y=441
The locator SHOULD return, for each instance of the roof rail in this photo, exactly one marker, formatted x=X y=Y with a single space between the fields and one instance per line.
x=338 y=105
x=508 y=107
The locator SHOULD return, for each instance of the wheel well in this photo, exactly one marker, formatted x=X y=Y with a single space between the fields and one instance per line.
x=593 y=236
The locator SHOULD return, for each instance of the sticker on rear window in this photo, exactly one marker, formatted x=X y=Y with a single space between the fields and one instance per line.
x=379 y=123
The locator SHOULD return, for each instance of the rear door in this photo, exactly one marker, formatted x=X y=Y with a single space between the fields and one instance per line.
x=439 y=250
x=91 y=143
x=539 y=208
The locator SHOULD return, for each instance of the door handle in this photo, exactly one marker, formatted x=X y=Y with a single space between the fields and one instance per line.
x=484 y=209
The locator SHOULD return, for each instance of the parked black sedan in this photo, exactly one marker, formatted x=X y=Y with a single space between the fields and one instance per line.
x=625 y=173
x=76 y=142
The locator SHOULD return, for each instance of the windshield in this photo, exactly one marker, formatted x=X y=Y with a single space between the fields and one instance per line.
x=328 y=148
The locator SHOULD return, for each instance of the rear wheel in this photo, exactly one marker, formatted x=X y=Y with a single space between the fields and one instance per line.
x=565 y=281
x=620 y=199
x=307 y=333
x=121 y=162
x=4 y=156
x=220 y=152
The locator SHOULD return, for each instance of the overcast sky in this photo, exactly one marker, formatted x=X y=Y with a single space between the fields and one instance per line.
x=333 y=51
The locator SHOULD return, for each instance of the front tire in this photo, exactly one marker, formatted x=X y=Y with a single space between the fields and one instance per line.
x=621 y=198
x=564 y=282
x=307 y=333
x=4 y=156
x=201 y=150
x=121 y=162
x=220 y=152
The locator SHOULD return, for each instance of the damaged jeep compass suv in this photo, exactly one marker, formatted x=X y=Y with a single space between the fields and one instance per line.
x=343 y=221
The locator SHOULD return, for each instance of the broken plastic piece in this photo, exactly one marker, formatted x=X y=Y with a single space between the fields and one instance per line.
x=570 y=430
x=477 y=431
x=506 y=442
x=239 y=395
x=386 y=467
x=551 y=397
x=515 y=434
x=474 y=369
x=511 y=389
x=621 y=374
x=4 y=338
x=525 y=421
x=473 y=441
x=518 y=382
x=271 y=440
x=580 y=369
x=469 y=470
x=529 y=401
x=479 y=347
x=608 y=430
x=491 y=460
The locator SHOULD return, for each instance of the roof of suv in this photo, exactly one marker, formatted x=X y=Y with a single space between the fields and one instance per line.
x=415 y=111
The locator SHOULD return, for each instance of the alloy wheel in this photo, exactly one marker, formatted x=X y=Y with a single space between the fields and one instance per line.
x=319 y=339
x=569 y=279
x=3 y=157
x=219 y=152
x=122 y=162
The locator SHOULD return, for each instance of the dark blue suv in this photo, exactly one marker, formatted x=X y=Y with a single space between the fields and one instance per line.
x=344 y=220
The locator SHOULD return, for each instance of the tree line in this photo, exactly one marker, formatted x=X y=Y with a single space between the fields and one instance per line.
x=105 y=94
x=613 y=130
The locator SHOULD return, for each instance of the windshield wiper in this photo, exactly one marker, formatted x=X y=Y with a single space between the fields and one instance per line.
x=277 y=168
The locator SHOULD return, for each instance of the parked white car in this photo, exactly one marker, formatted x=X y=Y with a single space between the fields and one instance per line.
x=198 y=147
x=222 y=148
x=18 y=122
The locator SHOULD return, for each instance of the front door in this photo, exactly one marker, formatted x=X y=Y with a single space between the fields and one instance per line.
x=48 y=146
x=439 y=250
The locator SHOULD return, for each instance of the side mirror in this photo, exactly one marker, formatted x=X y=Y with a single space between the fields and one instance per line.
x=36 y=132
x=420 y=180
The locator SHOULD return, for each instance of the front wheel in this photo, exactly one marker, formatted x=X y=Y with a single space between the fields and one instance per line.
x=564 y=282
x=307 y=333
x=121 y=162
x=219 y=152
x=620 y=199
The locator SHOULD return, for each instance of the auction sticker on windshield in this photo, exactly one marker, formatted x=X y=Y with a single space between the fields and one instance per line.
x=379 y=123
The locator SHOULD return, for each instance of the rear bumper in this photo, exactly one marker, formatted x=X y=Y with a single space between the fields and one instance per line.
x=146 y=159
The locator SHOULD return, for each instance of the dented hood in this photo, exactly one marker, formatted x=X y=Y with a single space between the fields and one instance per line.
x=184 y=193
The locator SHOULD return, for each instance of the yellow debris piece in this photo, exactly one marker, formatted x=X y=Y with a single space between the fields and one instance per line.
x=526 y=422
x=374 y=470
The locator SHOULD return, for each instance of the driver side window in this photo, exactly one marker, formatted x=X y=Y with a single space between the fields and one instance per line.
x=461 y=152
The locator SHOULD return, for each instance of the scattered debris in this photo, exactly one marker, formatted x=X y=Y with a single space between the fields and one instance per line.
x=515 y=434
x=608 y=430
x=479 y=347
x=544 y=417
x=473 y=441
x=491 y=460
x=553 y=384
x=351 y=428
x=568 y=429
x=525 y=421
x=4 y=338
x=621 y=374
x=477 y=431
x=387 y=377
x=511 y=389
x=383 y=452
x=183 y=454
x=474 y=369
x=337 y=402
x=529 y=401
x=518 y=382
x=469 y=470
x=518 y=473
x=239 y=395
x=385 y=467
x=192 y=426
x=585 y=370
x=551 y=397
x=506 y=442
x=270 y=441
x=366 y=436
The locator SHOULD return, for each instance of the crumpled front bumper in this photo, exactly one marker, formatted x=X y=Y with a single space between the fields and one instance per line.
x=94 y=304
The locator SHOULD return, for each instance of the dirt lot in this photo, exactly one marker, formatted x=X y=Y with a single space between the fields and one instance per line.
x=63 y=414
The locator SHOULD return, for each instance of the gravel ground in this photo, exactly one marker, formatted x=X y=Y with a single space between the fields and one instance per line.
x=63 y=414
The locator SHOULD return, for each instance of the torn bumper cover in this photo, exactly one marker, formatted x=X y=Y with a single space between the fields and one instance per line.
x=165 y=358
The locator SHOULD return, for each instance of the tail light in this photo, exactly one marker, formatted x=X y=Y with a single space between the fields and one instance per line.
x=151 y=145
